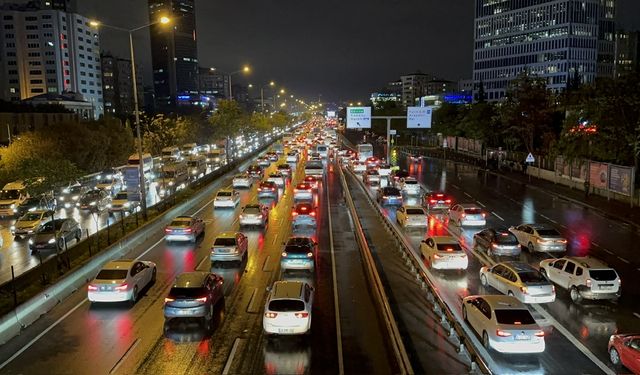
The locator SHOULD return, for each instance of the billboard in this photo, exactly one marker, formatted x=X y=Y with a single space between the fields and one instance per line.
x=331 y=114
x=358 y=117
x=598 y=174
x=620 y=179
x=419 y=117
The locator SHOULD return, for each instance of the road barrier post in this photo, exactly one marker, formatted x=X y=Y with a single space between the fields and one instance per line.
x=13 y=288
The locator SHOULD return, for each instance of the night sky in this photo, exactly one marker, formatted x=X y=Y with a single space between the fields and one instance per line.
x=341 y=49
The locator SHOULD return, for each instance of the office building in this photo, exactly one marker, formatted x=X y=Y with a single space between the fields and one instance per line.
x=627 y=52
x=213 y=83
x=553 y=39
x=45 y=50
x=413 y=86
x=117 y=86
x=380 y=97
x=440 y=86
x=174 y=53
x=465 y=85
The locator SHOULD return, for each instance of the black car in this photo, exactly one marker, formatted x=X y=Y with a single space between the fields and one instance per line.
x=41 y=202
x=194 y=295
x=94 y=200
x=255 y=171
x=389 y=196
x=55 y=234
x=497 y=242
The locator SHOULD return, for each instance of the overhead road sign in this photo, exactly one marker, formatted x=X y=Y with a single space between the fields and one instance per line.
x=419 y=117
x=358 y=117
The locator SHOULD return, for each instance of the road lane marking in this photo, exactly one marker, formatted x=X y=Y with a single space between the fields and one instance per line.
x=250 y=308
x=496 y=215
x=636 y=315
x=595 y=244
x=124 y=356
x=481 y=204
x=548 y=218
x=35 y=339
x=234 y=348
x=266 y=262
x=467 y=194
x=455 y=186
x=201 y=263
x=624 y=260
x=149 y=249
x=607 y=251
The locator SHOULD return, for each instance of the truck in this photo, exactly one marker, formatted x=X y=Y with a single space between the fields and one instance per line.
x=216 y=157
x=173 y=177
x=197 y=166
x=170 y=154
x=11 y=196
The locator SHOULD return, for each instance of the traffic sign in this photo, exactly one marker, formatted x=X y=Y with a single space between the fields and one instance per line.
x=358 y=117
x=392 y=132
x=419 y=117
x=530 y=159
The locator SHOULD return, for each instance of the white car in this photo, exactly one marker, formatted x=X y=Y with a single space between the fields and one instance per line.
x=121 y=203
x=584 y=277
x=358 y=167
x=411 y=216
x=121 y=280
x=536 y=237
x=444 y=253
x=30 y=222
x=520 y=280
x=254 y=214
x=278 y=178
x=226 y=198
x=229 y=247
x=410 y=186
x=292 y=157
x=303 y=192
x=241 y=181
x=467 y=215
x=503 y=323
x=288 y=310
x=184 y=228
x=384 y=169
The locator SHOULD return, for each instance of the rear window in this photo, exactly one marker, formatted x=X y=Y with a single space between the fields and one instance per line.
x=179 y=223
x=252 y=210
x=225 y=242
x=224 y=193
x=410 y=182
x=519 y=317
x=506 y=238
x=187 y=293
x=449 y=247
x=473 y=211
x=112 y=275
x=322 y=148
x=296 y=249
x=286 y=305
x=532 y=277
x=603 y=275
x=415 y=211
x=121 y=196
x=391 y=191
x=549 y=232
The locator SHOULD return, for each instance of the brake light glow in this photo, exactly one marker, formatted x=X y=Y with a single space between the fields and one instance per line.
x=502 y=333
x=309 y=254
x=432 y=201
x=302 y=315
x=167 y=230
x=540 y=334
x=168 y=299
x=484 y=215
x=202 y=299
x=92 y=287
x=121 y=287
x=447 y=201
x=284 y=254
x=312 y=214
x=270 y=315
x=188 y=230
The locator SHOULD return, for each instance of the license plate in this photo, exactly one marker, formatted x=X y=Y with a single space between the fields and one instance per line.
x=39 y=246
x=222 y=250
x=605 y=286
x=523 y=337
x=285 y=330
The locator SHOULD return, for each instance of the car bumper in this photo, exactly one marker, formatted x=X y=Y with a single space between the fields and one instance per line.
x=543 y=298
x=276 y=329
x=518 y=347
x=506 y=251
x=109 y=296
x=438 y=207
x=297 y=264
x=23 y=232
x=550 y=248
x=224 y=204
x=245 y=185
x=179 y=237
x=453 y=264
x=304 y=222
x=411 y=191
x=252 y=221
x=271 y=194
x=473 y=223
x=303 y=196
x=588 y=294
x=185 y=312
x=226 y=257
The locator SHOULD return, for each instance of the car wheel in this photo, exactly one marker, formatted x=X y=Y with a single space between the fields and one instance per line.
x=464 y=314
x=614 y=356
x=575 y=294
x=134 y=295
x=510 y=293
x=531 y=248
x=60 y=243
x=78 y=235
x=483 y=280
x=485 y=340
x=154 y=274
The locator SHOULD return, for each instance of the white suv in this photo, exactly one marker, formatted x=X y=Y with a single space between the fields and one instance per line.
x=584 y=277
x=288 y=308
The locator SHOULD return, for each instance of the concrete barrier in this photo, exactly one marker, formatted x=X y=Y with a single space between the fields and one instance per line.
x=9 y=326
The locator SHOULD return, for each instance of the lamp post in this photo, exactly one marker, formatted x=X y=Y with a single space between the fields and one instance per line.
x=245 y=69
x=270 y=84
x=164 y=21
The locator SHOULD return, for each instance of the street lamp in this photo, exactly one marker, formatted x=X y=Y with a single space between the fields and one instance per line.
x=245 y=69
x=262 y=87
x=162 y=20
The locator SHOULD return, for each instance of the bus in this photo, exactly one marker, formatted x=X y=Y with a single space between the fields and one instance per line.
x=170 y=154
x=189 y=149
x=365 y=151
x=147 y=162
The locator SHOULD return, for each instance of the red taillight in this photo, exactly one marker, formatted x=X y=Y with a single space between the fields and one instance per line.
x=312 y=214
x=188 y=230
x=202 y=299
x=302 y=315
x=295 y=214
x=448 y=201
x=295 y=190
x=168 y=299
x=463 y=215
x=436 y=256
x=167 y=230
x=432 y=201
x=92 y=287
x=502 y=333
x=309 y=254
x=121 y=287
x=484 y=215
x=540 y=334
x=270 y=315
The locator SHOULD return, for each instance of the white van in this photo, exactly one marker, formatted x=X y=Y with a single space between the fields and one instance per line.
x=197 y=166
x=11 y=196
x=173 y=177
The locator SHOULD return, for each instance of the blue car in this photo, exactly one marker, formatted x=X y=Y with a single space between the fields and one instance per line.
x=298 y=254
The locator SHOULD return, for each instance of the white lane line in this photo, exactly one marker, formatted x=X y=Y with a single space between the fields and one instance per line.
x=273 y=242
x=252 y=300
x=480 y=203
x=608 y=251
x=468 y=195
x=595 y=244
x=33 y=341
x=579 y=345
x=636 y=315
x=149 y=249
x=201 y=263
x=266 y=262
x=548 y=218
x=496 y=215
x=455 y=186
x=624 y=260
x=336 y=302
x=227 y=365
x=124 y=357
x=203 y=207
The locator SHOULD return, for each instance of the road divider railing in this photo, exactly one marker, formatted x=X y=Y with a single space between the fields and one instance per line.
x=384 y=309
x=448 y=318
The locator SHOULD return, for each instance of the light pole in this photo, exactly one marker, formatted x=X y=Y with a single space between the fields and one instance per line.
x=164 y=21
x=275 y=103
x=245 y=69
x=271 y=84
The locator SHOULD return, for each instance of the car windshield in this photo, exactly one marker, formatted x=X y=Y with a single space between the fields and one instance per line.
x=224 y=193
x=506 y=238
x=92 y=195
x=286 y=305
x=532 y=277
x=410 y=182
x=449 y=247
x=112 y=275
x=514 y=316
x=180 y=223
x=121 y=196
x=549 y=232
x=415 y=211
x=48 y=227
x=225 y=242
x=31 y=217
x=187 y=293
x=603 y=275
x=10 y=194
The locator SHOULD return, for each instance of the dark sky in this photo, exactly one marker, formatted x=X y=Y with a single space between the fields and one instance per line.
x=342 y=49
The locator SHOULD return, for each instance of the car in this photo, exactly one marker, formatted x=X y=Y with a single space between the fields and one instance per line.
x=226 y=198
x=371 y=162
x=298 y=254
x=285 y=169
x=292 y=157
x=410 y=186
x=272 y=156
x=303 y=191
x=55 y=234
x=399 y=175
x=384 y=169
x=358 y=167
x=288 y=309
x=520 y=280
x=498 y=242
x=436 y=201
x=194 y=295
x=583 y=277
x=242 y=180
x=268 y=189
x=414 y=158
x=539 y=238
x=94 y=200
x=371 y=177
x=312 y=181
x=184 y=228
x=467 y=214
x=121 y=203
x=443 y=253
x=503 y=323
x=624 y=349
x=28 y=224
x=389 y=196
x=277 y=178
x=314 y=156
x=411 y=216
x=263 y=161
x=254 y=214
x=121 y=280
x=304 y=214
x=71 y=194
x=255 y=171
x=314 y=169
x=229 y=247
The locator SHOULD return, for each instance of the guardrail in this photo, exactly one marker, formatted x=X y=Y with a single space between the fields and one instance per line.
x=396 y=343
x=465 y=337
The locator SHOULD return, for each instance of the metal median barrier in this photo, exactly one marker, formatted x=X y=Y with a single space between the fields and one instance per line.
x=384 y=309
x=447 y=315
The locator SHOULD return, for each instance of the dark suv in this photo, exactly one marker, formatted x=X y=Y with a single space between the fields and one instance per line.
x=194 y=295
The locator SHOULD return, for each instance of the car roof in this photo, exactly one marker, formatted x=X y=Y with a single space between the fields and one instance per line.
x=226 y=235
x=190 y=279
x=588 y=262
x=503 y=302
x=518 y=266
x=225 y=190
x=183 y=218
x=469 y=205
x=414 y=207
x=287 y=289
x=444 y=239
x=119 y=264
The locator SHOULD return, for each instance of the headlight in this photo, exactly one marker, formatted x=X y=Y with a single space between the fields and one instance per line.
x=53 y=240
x=30 y=241
x=61 y=198
x=13 y=227
x=92 y=204
x=170 y=183
x=65 y=191
x=13 y=205
x=75 y=197
x=127 y=204
x=108 y=205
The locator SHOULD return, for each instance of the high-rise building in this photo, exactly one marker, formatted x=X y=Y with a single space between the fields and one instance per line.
x=413 y=86
x=117 y=86
x=174 y=52
x=47 y=50
x=553 y=39
x=627 y=52
x=214 y=83
x=439 y=86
